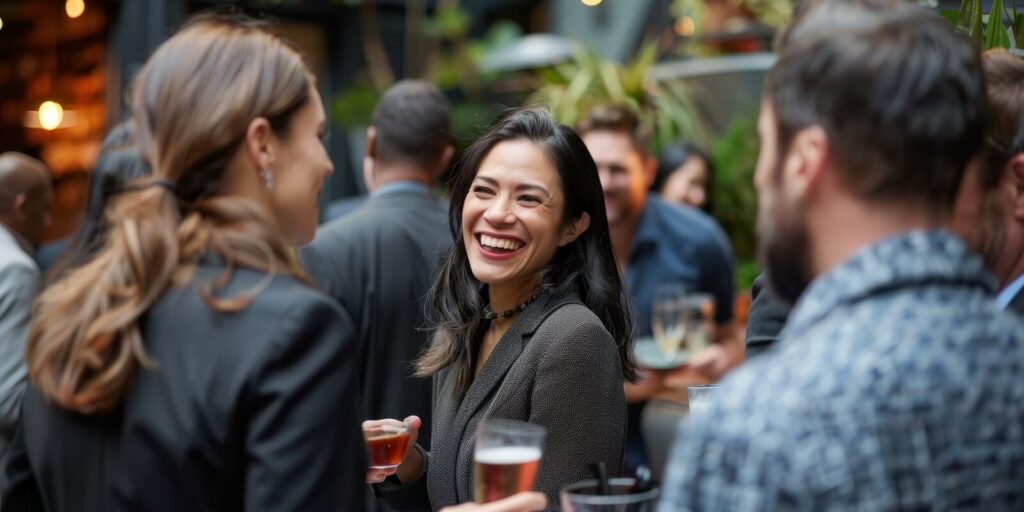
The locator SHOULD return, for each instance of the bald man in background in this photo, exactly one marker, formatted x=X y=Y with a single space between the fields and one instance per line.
x=26 y=192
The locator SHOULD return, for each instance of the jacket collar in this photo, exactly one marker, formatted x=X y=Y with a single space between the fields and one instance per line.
x=912 y=259
x=489 y=380
x=505 y=354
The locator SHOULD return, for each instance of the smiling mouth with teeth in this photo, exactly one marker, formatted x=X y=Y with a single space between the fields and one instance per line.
x=499 y=245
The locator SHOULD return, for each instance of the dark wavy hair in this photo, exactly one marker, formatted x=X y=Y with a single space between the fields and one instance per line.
x=585 y=266
x=119 y=164
x=897 y=89
x=673 y=156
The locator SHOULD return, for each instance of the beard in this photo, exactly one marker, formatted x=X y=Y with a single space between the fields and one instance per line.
x=784 y=249
x=989 y=232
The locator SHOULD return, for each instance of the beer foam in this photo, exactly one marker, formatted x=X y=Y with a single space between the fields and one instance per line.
x=507 y=455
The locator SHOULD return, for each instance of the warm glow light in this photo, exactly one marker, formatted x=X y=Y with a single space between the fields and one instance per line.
x=1 y=23
x=591 y=3
x=74 y=8
x=685 y=26
x=51 y=114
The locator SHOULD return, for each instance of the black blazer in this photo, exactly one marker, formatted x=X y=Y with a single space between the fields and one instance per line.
x=379 y=262
x=557 y=366
x=255 y=410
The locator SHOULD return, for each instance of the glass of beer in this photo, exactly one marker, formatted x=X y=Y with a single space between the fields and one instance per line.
x=387 y=445
x=506 y=459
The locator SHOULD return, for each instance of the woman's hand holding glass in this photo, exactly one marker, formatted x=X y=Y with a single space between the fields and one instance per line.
x=384 y=438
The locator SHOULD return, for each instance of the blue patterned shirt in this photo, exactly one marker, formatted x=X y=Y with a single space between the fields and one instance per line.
x=897 y=384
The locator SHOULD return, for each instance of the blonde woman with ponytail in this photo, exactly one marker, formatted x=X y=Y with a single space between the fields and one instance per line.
x=189 y=365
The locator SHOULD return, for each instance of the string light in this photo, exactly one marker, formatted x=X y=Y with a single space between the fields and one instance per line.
x=74 y=8
x=51 y=114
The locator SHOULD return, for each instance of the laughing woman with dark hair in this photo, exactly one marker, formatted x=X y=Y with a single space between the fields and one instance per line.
x=533 y=321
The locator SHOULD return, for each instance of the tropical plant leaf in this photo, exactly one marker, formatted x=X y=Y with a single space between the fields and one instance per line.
x=963 y=20
x=589 y=81
x=995 y=32
x=977 y=28
x=1018 y=30
x=612 y=82
x=951 y=15
x=551 y=76
x=634 y=75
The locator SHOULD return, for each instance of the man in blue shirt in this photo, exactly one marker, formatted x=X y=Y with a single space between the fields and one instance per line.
x=655 y=244
x=898 y=382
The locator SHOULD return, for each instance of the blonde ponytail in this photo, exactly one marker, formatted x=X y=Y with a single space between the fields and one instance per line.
x=192 y=103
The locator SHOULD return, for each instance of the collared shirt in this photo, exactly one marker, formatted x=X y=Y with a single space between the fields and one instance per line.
x=1007 y=294
x=343 y=207
x=401 y=186
x=898 y=384
x=679 y=245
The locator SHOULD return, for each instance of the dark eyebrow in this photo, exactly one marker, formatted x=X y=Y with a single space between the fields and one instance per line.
x=519 y=188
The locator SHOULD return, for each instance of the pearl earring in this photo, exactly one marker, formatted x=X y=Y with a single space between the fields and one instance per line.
x=268 y=179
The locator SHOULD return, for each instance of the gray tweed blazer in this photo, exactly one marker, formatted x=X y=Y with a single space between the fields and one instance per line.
x=557 y=366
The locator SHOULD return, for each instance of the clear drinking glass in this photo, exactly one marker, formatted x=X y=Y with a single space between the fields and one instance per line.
x=699 y=315
x=387 y=445
x=700 y=397
x=669 y=318
x=586 y=496
x=506 y=459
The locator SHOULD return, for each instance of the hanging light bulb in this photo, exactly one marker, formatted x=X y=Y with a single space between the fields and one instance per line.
x=591 y=3
x=74 y=8
x=51 y=114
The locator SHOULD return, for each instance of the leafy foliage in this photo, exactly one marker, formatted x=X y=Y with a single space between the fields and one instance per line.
x=572 y=88
x=735 y=200
x=1000 y=28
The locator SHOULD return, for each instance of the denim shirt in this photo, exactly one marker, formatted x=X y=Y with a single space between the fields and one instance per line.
x=678 y=245
x=897 y=384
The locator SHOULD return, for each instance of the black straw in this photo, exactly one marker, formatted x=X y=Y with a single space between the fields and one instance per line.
x=600 y=471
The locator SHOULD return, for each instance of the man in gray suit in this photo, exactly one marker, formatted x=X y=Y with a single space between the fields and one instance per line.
x=25 y=197
x=380 y=260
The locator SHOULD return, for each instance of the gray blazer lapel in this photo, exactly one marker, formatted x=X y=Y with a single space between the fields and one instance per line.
x=452 y=414
x=491 y=375
x=504 y=356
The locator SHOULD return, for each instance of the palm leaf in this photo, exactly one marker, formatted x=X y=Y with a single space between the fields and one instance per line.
x=995 y=33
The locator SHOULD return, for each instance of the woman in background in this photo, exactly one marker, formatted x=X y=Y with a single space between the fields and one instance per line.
x=188 y=364
x=685 y=176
